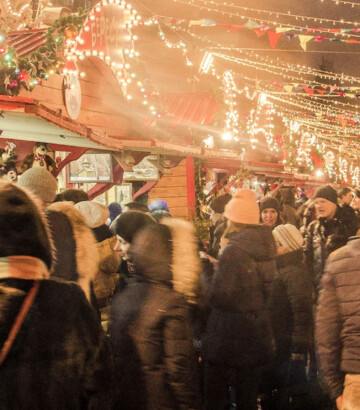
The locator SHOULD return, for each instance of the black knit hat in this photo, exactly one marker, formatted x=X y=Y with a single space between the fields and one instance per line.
x=326 y=192
x=269 y=203
x=130 y=222
x=218 y=204
x=22 y=227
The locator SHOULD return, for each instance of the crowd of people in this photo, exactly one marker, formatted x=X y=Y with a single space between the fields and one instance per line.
x=124 y=308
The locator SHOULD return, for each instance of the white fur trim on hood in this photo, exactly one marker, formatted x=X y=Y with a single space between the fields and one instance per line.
x=87 y=255
x=186 y=264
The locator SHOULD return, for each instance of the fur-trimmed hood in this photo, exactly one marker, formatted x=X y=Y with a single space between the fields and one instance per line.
x=167 y=253
x=77 y=256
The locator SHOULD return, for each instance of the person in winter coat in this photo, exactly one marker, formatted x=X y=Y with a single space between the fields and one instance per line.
x=337 y=331
x=107 y=277
x=270 y=212
x=356 y=203
x=75 y=255
x=126 y=227
x=58 y=358
x=238 y=341
x=218 y=222
x=288 y=211
x=291 y=308
x=328 y=232
x=115 y=210
x=151 y=335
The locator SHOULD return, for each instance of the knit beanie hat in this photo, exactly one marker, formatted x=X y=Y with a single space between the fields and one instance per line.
x=23 y=228
x=158 y=206
x=40 y=182
x=218 y=204
x=115 y=210
x=326 y=192
x=243 y=208
x=288 y=236
x=94 y=214
x=130 y=222
x=269 y=202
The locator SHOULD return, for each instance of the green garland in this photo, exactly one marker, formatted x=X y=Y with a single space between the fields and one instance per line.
x=18 y=73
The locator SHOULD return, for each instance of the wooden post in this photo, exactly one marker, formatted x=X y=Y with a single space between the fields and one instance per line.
x=190 y=184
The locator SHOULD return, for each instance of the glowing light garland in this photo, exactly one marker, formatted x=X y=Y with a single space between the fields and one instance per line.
x=270 y=13
x=263 y=21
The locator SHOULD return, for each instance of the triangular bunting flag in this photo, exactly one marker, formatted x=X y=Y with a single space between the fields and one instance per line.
x=320 y=39
x=288 y=88
x=231 y=27
x=304 y=40
x=273 y=38
x=259 y=32
x=283 y=29
x=252 y=24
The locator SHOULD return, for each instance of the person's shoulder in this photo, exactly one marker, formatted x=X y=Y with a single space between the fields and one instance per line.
x=63 y=291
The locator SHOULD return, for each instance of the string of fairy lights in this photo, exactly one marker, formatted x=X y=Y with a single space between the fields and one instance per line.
x=210 y=4
x=265 y=21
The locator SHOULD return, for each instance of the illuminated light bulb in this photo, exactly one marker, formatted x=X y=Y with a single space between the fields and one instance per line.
x=227 y=136
x=145 y=102
x=128 y=97
x=92 y=17
x=82 y=74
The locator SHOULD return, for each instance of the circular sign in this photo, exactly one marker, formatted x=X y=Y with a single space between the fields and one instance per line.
x=72 y=96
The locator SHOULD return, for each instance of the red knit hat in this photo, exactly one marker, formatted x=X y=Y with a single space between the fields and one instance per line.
x=243 y=208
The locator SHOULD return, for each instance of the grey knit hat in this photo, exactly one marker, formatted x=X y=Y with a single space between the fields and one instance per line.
x=288 y=236
x=95 y=214
x=40 y=182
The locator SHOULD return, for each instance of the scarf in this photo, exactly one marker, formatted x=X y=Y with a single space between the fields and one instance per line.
x=23 y=267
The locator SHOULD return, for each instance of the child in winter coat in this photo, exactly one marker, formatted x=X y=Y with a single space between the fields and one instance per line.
x=291 y=303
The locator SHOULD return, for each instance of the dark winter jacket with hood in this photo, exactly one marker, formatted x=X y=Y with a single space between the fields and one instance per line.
x=76 y=256
x=324 y=236
x=151 y=332
x=337 y=331
x=238 y=332
x=291 y=305
x=59 y=359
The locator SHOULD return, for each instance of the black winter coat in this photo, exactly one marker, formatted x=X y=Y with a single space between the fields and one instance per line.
x=59 y=359
x=337 y=331
x=238 y=332
x=153 y=350
x=291 y=306
x=324 y=236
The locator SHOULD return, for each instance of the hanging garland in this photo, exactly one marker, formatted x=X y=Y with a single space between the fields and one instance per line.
x=17 y=73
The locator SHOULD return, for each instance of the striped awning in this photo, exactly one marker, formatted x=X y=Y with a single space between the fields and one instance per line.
x=26 y=41
x=191 y=108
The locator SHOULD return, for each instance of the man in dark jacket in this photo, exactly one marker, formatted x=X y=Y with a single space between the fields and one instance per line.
x=328 y=232
x=338 y=325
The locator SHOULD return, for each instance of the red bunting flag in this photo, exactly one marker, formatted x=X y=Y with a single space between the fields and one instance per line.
x=273 y=38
